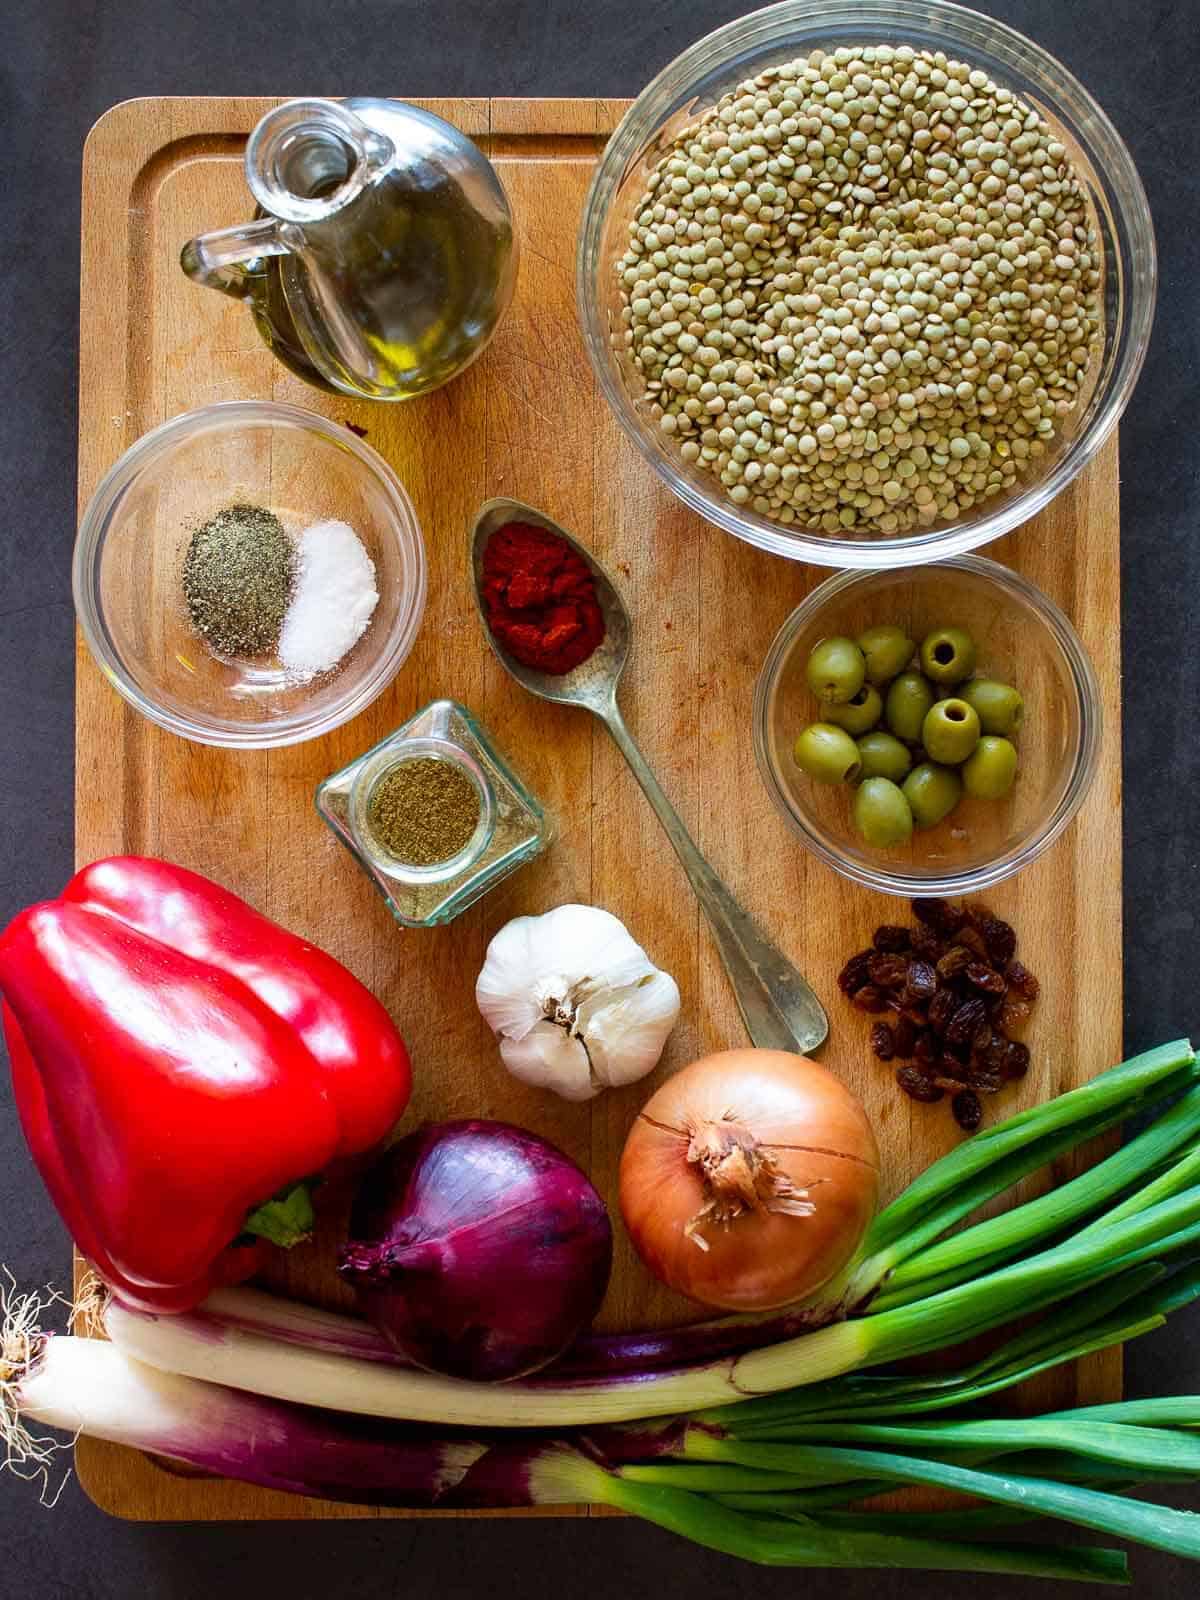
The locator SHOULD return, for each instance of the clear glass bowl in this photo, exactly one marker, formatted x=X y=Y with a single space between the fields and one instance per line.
x=698 y=78
x=1023 y=639
x=135 y=534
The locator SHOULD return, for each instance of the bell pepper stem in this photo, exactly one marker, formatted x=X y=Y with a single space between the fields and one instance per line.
x=285 y=1220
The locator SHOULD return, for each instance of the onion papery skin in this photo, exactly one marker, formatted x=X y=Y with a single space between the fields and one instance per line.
x=799 y=1122
x=478 y=1249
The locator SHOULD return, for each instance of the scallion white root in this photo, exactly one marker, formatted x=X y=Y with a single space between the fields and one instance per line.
x=26 y=1454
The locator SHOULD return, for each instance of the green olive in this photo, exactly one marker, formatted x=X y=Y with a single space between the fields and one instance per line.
x=836 y=670
x=908 y=700
x=950 y=732
x=881 y=813
x=883 y=756
x=999 y=707
x=932 y=793
x=887 y=651
x=858 y=715
x=990 y=772
x=827 y=754
x=948 y=655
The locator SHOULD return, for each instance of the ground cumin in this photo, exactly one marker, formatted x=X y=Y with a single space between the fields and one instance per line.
x=424 y=810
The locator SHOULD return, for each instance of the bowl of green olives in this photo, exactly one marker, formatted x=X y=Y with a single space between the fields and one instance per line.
x=928 y=732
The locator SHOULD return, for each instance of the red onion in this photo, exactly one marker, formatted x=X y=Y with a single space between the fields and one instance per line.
x=478 y=1249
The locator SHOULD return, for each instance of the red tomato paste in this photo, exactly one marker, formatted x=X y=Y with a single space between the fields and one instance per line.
x=540 y=598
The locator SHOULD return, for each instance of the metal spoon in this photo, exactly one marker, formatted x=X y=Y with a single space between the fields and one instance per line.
x=780 y=1010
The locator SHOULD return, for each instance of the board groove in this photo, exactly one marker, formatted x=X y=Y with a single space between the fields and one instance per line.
x=527 y=420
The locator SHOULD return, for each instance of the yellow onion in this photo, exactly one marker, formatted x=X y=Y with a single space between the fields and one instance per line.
x=749 y=1178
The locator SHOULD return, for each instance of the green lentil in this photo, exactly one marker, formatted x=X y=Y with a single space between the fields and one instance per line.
x=912 y=297
x=424 y=810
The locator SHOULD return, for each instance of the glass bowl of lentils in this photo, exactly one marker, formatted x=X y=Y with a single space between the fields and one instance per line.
x=250 y=574
x=930 y=732
x=867 y=282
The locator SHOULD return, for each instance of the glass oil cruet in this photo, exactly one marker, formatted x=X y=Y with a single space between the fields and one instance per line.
x=382 y=254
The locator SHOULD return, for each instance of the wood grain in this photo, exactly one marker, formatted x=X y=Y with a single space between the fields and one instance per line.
x=527 y=420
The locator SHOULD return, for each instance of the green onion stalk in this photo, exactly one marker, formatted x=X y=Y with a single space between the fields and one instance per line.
x=755 y=1480
x=86 y=1385
x=1132 y=1302
x=1039 y=1269
x=769 y=1454
x=809 y=1453
x=893 y=1251
x=858 y=1454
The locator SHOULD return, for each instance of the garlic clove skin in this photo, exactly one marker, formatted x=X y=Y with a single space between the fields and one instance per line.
x=625 y=1030
x=508 y=989
x=535 y=962
x=549 y=1058
x=577 y=1004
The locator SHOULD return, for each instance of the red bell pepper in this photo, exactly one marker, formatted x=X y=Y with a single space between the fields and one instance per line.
x=181 y=1065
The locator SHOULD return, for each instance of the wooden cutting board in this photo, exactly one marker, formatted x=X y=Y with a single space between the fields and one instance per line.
x=527 y=421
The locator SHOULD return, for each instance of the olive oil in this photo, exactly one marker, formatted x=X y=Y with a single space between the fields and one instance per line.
x=382 y=254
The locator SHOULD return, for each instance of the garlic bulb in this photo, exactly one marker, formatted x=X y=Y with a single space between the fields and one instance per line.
x=576 y=1004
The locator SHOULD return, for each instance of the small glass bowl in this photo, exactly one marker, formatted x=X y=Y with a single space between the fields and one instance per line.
x=1023 y=639
x=135 y=534
x=512 y=827
x=696 y=80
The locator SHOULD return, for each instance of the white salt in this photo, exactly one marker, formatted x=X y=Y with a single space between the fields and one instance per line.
x=333 y=599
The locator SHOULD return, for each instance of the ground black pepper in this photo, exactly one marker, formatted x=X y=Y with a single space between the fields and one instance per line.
x=237 y=580
x=424 y=810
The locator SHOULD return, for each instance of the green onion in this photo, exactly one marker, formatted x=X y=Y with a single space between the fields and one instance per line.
x=1071 y=1468
x=763 y=1477
x=86 y=1385
x=1171 y=1411
x=938 y=1524
x=918 y=1524
x=775 y=1542
x=1121 y=1443
x=958 y=1314
x=990 y=1243
x=812 y=1502
x=1133 y=1302
x=1161 y=1527
x=1164 y=1069
x=232 y=1355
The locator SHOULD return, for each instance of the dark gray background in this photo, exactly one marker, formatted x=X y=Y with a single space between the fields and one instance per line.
x=63 y=63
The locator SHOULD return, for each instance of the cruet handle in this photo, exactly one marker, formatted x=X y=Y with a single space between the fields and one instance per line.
x=216 y=259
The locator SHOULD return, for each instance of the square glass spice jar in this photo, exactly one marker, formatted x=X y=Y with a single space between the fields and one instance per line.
x=511 y=827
